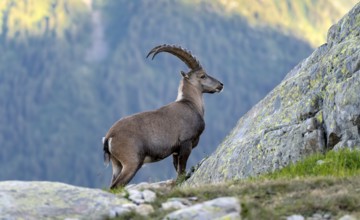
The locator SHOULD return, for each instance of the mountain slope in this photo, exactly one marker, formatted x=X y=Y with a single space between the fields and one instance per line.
x=61 y=91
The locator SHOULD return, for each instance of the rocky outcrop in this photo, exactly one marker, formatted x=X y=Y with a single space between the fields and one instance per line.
x=51 y=200
x=314 y=109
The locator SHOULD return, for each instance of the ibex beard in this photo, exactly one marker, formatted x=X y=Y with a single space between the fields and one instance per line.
x=173 y=129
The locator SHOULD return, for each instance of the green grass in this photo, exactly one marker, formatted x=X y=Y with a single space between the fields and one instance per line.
x=304 y=188
x=341 y=163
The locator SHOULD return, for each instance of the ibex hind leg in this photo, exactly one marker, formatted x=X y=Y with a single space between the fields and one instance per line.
x=116 y=168
x=130 y=161
x=127 y=173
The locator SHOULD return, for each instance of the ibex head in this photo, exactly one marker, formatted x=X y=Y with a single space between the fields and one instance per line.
x=197 y=76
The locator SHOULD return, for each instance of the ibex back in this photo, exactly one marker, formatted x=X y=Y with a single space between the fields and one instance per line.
x=173 y=129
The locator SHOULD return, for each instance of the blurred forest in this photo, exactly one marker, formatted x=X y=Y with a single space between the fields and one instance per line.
x=70 y=68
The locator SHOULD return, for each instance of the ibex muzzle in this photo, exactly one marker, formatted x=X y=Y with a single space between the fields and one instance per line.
x=173 y=129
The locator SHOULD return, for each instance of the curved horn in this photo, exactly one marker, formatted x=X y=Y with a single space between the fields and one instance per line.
x=181 y=53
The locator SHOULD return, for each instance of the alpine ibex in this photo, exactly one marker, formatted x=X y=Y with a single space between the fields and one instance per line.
x=172 y=129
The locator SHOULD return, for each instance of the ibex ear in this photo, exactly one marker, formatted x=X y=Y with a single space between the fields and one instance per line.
x=184 y=75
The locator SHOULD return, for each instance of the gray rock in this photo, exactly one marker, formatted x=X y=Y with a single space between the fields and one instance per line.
x=314 y=109
x=163 y=185
x=140 y=197
x=316 y=216
x=213 y=209
x=327 y=216
x=295 y=217
x=178 y=203
x=144 y=209
x=149 y=196
x=347 y=217
x=51 y=200
x=136 y=196
x=118 y=211
x=173 y=205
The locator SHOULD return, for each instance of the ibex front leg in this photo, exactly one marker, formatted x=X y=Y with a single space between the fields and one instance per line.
x=184 y=153
x=176 y=160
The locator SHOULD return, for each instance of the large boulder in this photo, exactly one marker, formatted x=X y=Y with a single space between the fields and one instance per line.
x=314 y=109
x=52 y=200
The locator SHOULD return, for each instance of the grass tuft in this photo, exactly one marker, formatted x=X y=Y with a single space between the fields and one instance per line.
x=341 y=163
x=120 y=190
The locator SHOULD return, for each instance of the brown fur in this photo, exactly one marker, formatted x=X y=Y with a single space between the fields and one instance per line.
x=151 y=136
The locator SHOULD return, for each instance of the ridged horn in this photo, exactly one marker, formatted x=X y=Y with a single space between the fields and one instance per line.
x=180 y=52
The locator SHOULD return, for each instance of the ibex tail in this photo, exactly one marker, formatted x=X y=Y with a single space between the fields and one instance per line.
x=106 y=151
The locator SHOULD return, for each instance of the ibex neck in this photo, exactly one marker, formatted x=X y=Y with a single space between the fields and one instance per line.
x=190 y=93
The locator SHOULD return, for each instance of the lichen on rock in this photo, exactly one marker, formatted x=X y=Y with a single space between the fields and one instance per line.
x=52 y=200
x=314 y=109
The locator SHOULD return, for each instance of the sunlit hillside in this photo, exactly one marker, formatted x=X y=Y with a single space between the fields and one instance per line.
x=307 y=19
x=26 y=18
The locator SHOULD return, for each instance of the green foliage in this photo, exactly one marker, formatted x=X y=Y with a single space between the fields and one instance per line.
x=340 y=163
x=253 y=210
x=119 y=190
x=180 y=179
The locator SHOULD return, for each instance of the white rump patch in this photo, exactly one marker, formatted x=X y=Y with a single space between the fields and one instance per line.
x=110 y=139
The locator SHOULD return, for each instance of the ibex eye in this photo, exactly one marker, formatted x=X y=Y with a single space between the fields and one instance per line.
x=203 y=77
